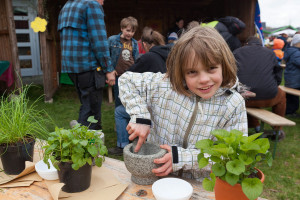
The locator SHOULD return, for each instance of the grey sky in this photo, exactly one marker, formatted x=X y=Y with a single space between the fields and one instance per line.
x=277 y=13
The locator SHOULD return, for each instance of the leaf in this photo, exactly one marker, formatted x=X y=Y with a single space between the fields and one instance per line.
x=98 y=161
x=246 y=160
x=250 y=146
x=203 y=162
x=84 y=142
x=264 y=144
x=75 y=166
x=65 y=144
x=235 y=167
x=218 y=169
x=103 y=150
x=232 y=179
x=252 y=188
x=204 y=144
x=200 y=155
x=223 y=149
x=93 y=150
x=209 y=184
x=269 y=158
x=258 y=158
x=92 y=119
x=253 y=137
x=220 y=134
x=215 y=159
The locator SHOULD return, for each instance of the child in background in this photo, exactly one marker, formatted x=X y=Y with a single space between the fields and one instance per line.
x=198 y=94
x=278 y=44
x=123 y=52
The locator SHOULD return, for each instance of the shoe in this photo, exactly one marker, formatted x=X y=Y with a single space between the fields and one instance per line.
x=293 y=115
x=73 y=123
x=118 y=151
x=281 y=136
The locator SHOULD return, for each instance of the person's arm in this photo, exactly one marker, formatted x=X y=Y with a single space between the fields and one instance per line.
x=97 y=34
x=136 y=91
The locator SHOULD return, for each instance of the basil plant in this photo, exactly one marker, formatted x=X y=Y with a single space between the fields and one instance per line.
x=234 y=157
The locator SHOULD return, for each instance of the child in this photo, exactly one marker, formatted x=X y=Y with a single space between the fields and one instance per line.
x=196 y=95
x=123 y=52
x=278 y=44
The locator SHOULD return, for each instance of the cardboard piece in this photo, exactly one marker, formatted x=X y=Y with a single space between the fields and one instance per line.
x=22 y=181
x=4 y=178
x=104 y=185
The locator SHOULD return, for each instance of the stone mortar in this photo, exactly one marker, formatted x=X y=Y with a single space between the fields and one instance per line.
x=140 y=164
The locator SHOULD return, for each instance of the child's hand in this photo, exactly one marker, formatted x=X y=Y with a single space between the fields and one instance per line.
x=138 y=130
x=111 y=78
x=166 y=161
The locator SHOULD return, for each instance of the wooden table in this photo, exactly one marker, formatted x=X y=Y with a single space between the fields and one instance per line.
x=39 y=191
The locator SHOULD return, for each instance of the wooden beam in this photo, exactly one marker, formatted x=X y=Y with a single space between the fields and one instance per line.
x=13 y=42
x=43 y=58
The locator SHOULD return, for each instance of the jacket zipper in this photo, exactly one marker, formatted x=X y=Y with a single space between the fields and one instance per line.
x=191 y=123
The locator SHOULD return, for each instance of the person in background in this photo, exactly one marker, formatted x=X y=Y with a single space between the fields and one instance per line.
x=259 y=70
x=278 y=44
x=154 y=60
x=177 y=28
x=123 y=52
x=292 y=75
x=82 y=23
x=284 y=37
x=172 y=38
x=197 y=95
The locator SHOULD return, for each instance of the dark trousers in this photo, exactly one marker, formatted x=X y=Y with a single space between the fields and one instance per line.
x=90 y=98
x=292 y=103
x=278 y=104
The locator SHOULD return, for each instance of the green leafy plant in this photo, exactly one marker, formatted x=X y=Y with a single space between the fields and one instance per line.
x=20 y=119
x=78 y=146
x=234 y=157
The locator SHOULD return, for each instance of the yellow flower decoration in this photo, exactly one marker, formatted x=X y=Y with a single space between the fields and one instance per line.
x=38 y=24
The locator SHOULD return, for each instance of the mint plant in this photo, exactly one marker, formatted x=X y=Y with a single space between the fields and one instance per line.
x=78 y=145
x=234 y=158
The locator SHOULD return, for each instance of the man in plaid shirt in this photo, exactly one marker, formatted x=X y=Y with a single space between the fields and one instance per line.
x=85 y=54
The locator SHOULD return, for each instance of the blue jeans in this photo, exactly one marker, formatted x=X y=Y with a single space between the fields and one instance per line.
x=122 y=119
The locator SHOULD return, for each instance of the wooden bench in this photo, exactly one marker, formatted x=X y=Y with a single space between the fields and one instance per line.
x=270 y=118
x=290 y=90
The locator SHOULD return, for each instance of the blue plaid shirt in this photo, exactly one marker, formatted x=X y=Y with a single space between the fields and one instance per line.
x=83 y=39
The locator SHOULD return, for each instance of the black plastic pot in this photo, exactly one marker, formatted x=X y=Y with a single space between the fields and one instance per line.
x=74 y=180
x=13 y=157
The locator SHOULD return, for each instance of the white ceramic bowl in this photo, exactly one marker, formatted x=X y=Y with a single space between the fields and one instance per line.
x=42 y=169
x=172 y=189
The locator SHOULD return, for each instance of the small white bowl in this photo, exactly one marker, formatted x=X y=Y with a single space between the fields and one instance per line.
x=42 y=169
x=172 y=189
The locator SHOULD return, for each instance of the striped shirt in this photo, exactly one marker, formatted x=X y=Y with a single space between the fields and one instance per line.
x=149 y=96
x=83 y=39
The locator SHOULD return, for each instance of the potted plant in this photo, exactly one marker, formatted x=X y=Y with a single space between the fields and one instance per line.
x=234 y=158
x=20 y=124
x=72 y=152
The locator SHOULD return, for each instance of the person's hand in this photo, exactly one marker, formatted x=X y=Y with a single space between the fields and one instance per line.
x=166 y=160
x=111 y=78
x=138 y=130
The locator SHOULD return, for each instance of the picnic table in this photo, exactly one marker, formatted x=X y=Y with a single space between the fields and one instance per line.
x=39 y=191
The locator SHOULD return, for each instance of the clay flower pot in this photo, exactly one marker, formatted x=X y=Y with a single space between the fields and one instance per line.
x=140 y=164
x=225 y=191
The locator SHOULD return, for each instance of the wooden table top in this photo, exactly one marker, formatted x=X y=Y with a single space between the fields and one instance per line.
x=39 y=191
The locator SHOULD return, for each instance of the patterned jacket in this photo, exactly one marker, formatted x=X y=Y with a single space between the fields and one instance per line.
x=178 y=120
x=83 y=38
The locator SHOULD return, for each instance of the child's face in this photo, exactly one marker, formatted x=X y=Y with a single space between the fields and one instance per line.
x=127 y=32
x=202 y=81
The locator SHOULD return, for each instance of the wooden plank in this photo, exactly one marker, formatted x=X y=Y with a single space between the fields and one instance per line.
x=290 y=90
x=269 y=117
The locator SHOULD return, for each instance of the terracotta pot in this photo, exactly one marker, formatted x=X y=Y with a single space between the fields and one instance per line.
x=225 y=191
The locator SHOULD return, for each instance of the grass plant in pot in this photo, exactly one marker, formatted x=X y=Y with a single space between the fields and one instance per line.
x=72 y=152
x=234 y=157
x=20 y=124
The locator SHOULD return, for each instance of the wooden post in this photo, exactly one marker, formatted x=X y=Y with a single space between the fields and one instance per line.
x=13 y=42
x=44 y=59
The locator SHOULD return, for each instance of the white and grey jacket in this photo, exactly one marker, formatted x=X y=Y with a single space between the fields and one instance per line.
x=178 y=120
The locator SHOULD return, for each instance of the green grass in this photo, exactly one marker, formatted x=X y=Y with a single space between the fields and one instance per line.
x=282 y=179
